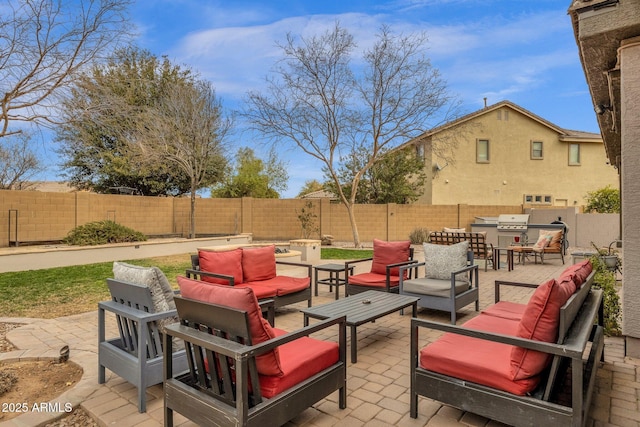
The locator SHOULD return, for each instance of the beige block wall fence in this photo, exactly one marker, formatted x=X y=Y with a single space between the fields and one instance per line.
x=44 y=217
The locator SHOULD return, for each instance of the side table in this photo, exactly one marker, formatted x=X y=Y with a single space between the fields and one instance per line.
x=334 y=278
x=496 y=258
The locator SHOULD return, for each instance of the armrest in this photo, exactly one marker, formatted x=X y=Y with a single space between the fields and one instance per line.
x=296 y=264
x=347 y=264
x=499 y=283
x=566 y=350
x=201 y=273
x=134 y=313
x=269 y=306
x=269 y=345
x=237 y=350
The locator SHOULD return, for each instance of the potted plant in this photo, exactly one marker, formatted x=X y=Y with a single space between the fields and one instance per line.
x=605 y=264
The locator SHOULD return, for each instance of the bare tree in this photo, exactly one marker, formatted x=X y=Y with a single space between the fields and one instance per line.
x=17 y=163
x=330 y=108
x=186 y=128
x=42 y=44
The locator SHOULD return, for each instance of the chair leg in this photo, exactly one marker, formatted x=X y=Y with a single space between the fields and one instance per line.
x=342 y=395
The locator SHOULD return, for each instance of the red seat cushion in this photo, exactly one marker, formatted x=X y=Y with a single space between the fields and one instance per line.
x=506 y=310
x=488 y=363
x=299 y=359
x=259 y=263
x=385 y=253
x=284 y=285
x=241 y=298
x=539 y=322
x=261 y=292
x=374 y=280
x=222 y=262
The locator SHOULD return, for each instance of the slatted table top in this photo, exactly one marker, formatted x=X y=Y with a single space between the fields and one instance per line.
x=358 y=311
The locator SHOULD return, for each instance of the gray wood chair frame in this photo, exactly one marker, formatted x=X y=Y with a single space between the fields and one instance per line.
x=220 y=335
x=279 y=301
x=454 y=301
x=580 y=328
x=136 y=354
x=355 y=288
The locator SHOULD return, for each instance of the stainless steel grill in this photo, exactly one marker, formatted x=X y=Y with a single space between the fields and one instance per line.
x=510 y=226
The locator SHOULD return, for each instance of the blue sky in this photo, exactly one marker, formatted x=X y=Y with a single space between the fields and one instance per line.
x=518 y=50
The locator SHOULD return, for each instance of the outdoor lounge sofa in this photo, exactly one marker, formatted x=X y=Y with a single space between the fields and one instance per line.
x=253 y=267
x=241 y=371
x=510 y=362
x=549 y=242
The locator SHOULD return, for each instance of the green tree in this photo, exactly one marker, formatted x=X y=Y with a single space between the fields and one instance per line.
x=324 y=106
x=105 y=108
x=603 y=200
x=186 y=131
x=310 y=186
x=253 y=177
x=397 y=177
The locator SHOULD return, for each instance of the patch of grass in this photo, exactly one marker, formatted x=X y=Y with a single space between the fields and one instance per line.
x=63 y=291
x=341 y=253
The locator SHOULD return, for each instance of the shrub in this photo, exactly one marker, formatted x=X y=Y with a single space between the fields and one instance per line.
x=102 y=232
x=307 y=219
x=603 y=200
x=605 y=279
x=419 y=235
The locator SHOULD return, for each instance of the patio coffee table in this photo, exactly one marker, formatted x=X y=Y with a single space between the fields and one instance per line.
x=359 y=309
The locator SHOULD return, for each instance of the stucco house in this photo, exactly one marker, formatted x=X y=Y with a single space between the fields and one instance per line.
x=608 y=37
x=504 y=154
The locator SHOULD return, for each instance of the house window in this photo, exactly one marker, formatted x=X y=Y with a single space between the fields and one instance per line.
x=536 y=150
x=420 y=151
x=540 y=199
x=482 y=151
x=499 y=114
x=574 y=154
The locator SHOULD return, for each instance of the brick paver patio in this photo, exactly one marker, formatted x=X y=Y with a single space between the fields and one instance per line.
x=377 y=385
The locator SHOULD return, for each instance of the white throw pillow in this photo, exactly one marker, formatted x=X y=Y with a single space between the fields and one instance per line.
x=151 y=277
x=441 y=260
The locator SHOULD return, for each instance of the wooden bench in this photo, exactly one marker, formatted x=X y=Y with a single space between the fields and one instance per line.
x=575 y=354
x=477 y=243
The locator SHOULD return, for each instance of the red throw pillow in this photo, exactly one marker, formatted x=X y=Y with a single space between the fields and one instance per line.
x=240 y=298
x=222 y=262
x=259 y=263
x=539 y=322
x=385 y=253
x=578 y=272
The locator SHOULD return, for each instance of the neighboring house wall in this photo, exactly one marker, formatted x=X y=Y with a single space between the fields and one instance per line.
x=511 y=173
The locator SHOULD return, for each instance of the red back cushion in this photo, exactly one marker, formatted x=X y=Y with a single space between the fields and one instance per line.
x=240 y=298
x=222 y=262
x=539 y=322
x=259 y=263
x=578 y=272
x=385 y=253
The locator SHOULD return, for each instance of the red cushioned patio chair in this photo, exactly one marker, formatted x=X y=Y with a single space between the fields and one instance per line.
x=387 y=259
x=242 y=371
